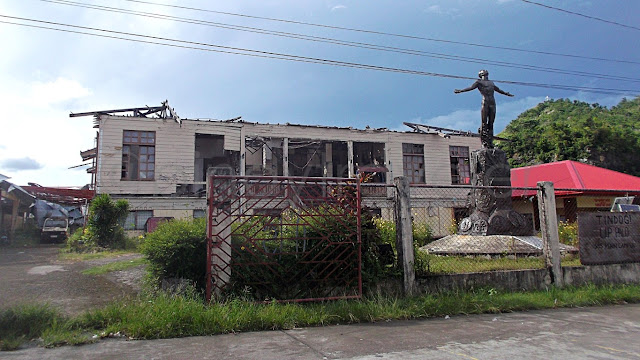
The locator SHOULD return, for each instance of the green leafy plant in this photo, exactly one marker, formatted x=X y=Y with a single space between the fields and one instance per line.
x=568 y=233
x=177 y=249
x=105 y=216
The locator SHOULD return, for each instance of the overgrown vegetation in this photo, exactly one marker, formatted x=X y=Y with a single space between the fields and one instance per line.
x=167 y=316
x=573 y=130
x=26 y=322
x=177 y=249
x=103 y=230
x=568 y=233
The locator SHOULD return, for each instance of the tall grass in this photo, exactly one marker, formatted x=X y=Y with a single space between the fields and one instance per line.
x=165 y=315
x=26 y=322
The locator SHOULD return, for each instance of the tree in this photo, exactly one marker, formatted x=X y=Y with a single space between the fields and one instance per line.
x=574 y=130
x=105 y=216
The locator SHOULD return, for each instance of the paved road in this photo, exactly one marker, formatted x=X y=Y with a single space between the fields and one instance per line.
x=611 y=332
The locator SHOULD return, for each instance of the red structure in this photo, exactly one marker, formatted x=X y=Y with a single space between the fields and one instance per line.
x=284 y=238
x=56 y=195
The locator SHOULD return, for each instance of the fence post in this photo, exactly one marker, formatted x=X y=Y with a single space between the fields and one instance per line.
x=404 y=233
x=549 y=230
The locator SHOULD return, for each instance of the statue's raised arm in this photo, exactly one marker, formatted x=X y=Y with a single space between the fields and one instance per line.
x=474 y=86
x=496 y=88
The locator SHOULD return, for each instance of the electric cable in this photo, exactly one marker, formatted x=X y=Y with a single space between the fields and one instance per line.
x=386 y=33
x=280 y=56
x=348 y=43
x=581 y=15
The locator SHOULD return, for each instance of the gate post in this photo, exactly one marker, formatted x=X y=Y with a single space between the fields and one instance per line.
x=549 y=230
x=404 y=233
x=218 y=239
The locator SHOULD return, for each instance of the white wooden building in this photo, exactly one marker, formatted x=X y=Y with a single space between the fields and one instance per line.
x=158 y=162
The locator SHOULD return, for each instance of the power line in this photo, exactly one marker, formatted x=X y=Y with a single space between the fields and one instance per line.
x=582 y=15
x=280 y=56
x=346 y=43
x=388 y=34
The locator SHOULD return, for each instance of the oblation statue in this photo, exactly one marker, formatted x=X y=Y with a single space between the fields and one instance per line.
x=488 y=112
x=489 y=201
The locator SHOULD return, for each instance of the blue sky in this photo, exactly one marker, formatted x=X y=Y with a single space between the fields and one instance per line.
x=47 y=74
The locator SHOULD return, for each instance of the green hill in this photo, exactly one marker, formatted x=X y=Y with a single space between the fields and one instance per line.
x=558 y=130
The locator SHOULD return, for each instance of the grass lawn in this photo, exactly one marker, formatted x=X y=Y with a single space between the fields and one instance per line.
x=114 y=266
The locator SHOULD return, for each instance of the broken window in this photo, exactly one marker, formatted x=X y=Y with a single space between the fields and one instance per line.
x=370 y=155
x=306 y=158
x=413 y=162
x=210 y=153
x=138 y=155
x=460 y=171
x=263 y=156
x=137 y=219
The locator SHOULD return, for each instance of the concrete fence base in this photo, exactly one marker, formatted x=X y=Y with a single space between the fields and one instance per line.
x=520 y=280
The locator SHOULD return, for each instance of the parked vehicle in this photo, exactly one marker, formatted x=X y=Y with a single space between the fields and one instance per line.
x=55 y=230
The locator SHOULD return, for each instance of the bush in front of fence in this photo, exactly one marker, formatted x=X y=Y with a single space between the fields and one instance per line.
x=568 y=233
x=303 y=252
x=177 y=249
x=422 y=233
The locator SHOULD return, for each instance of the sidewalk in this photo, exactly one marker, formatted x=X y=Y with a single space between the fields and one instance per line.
x=610 y=332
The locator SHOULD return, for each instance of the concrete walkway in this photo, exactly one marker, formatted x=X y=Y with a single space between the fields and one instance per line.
x=610 y=332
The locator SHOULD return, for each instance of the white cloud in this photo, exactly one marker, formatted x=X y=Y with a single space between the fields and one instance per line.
x=39 y=140
x=57 y=91
x=338 y=7
x=438 y=10
x=19 y=164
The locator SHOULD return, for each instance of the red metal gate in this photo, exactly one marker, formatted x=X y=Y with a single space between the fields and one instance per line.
x=283 y=238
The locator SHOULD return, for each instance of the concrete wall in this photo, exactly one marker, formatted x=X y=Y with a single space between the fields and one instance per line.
x=517 y=280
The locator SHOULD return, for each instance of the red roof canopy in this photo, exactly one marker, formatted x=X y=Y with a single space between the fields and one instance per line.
x=579 y=177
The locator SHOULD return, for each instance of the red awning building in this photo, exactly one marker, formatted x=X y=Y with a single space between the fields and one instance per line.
x=578 y=187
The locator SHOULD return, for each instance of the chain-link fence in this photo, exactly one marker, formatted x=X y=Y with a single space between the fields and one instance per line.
x=464 y=229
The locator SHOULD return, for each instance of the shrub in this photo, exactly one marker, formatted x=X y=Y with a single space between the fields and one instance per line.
x=422 y=233
x=177 y=249
x=568 y=233
x=81 y=241
x=104 y=221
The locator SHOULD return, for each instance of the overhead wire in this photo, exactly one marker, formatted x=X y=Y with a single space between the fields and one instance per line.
x=366 y=31
x=347 y=43
x=281 y=56
x=581 y=15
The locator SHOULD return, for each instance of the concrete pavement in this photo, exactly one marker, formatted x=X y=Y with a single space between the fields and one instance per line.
x=611 y=332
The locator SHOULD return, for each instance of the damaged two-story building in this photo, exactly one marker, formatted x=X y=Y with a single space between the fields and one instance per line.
x=158 y=162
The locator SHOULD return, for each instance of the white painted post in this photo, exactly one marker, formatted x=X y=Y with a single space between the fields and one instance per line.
x=351 y=172
x=549 y=229
x=285 y=157
x=404 y=234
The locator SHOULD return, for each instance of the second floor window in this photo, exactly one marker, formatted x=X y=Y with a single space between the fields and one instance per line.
x=460 y=172
x=413 y=162
x=138 y=155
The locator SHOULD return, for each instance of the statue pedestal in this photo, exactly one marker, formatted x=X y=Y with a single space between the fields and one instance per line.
x=491 y=209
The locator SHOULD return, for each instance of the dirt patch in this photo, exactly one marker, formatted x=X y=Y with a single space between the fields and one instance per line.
x=35 y=275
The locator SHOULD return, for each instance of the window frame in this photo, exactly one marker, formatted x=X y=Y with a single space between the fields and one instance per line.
x=413 y=154
x=457 y=173
x=141 y=146
x=134 y=218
